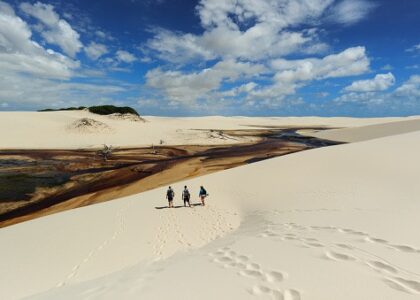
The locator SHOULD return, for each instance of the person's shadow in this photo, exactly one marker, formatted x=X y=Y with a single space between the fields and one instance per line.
x=177 y=206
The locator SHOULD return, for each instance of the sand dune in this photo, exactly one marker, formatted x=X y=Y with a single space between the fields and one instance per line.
x=368 y=132
x=333 y=223
x=50 y=130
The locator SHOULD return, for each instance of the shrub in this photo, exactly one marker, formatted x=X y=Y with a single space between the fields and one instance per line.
x=100 y=110
x=111 y=109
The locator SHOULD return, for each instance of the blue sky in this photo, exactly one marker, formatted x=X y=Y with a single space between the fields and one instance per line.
x=213 y=57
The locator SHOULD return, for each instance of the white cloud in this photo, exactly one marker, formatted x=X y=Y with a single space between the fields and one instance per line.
x=242 y=89
x=405 y=97
x=42 y=92
x=20 y=54
x=124 y=56
x=6 y=9
x=415 y=48
x=350 y=62
x=381 y=82
x=254 y=30
x=410 y=88
x=95 y=50
x=31 y=74
x=187 y=87
x=257 y=43
x=56 y=31
x=171 y=44
x=351 y=11
x=280 y=14
x=369 y=98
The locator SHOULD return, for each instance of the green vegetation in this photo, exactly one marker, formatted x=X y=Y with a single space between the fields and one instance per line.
x=101 y=109
x=111 y=109
x=67 y=108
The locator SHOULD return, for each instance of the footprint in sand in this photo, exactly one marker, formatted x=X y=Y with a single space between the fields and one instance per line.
x=291 y=295
x=391 y=274
x=404 y=285
x=381 y=266
x=375 y=240
x=336 y=256
x=275 y=276
x=252 y=274
x=404 y=248
x=259 y=290
x=245 y=267
x=314 y=244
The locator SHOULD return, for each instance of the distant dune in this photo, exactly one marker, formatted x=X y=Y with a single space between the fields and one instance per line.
x=364 y=133
x=50 y=130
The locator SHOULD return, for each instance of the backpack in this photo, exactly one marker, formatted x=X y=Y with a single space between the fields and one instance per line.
x=170 y=193
x=186 y=194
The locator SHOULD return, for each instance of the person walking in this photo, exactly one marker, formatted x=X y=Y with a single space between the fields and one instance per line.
x=186 y=196
x=203 y=194
x=170 y=194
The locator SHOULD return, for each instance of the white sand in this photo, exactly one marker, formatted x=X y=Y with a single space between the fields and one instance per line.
x=333 y=223
x=369 y=132
x=46 y=130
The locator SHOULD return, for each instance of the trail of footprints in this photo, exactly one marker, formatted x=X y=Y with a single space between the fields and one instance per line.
x=119 y=229
x=209 y=220
x=162 y=235
x=394 y=276
x=266 y=282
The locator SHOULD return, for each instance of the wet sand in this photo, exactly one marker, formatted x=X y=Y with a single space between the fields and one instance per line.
x=50 y=181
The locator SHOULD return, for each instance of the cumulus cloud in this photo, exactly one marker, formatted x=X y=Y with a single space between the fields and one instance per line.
x=410 y=88
x=169 y=45
x=255 y=30
x=381 y=82
x=6 y=9
x=351 y=11
x=242 y=89
x=187 y=87
x=32 y=76
x=95 y=50
x=405 y=98
x=54 y=29
x=367 y=98
x=43 y=92
x=259 y=33
x=20 y=54
x=286 y=77
x=124 y=56
x=350 y=62
x=280 y=14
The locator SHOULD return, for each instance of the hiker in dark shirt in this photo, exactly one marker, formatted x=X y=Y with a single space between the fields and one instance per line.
x=170 y=194
x=186 y=196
